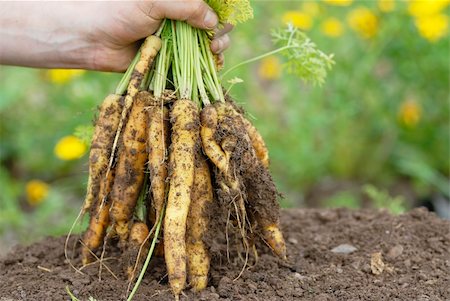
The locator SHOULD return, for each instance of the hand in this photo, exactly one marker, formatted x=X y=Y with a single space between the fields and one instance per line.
x=128 y=23
x=92 y=35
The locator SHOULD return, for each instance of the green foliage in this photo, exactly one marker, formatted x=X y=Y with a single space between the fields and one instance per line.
x=382 y=199
x=343 y=199
x=412 y=163
x=232 y=11
x=84 y=133
x=303 y=58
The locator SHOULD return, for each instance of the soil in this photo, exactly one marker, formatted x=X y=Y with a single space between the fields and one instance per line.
x=332 y=255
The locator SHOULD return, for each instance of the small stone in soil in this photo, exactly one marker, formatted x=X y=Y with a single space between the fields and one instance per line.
x=395 y=252
x=344 y=249
x=299 y=276
x=293 y=240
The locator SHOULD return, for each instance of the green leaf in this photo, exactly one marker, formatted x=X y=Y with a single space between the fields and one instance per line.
x=304 y=59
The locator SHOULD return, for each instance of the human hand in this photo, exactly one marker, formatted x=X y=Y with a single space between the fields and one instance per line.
x=118 y=34
x=93 y=35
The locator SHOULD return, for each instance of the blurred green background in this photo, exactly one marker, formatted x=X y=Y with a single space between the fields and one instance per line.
x=376 y=134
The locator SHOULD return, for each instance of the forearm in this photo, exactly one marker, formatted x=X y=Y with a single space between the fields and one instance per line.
x=91 y=35
x=41 y=34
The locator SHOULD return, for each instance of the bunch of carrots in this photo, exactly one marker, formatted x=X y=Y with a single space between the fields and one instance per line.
x=169 y=141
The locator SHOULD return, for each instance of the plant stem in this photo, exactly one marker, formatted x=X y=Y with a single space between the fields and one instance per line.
x=207 y=78
x=161 y=27
x=210 y=65
x=176 y=56
x=198 y=69
x=258 y=58
x=123 y=84
x=162 y=63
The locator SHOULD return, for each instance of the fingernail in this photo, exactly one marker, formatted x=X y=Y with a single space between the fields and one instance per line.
x=210 y=20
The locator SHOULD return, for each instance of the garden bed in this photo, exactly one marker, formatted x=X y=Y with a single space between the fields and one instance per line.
x=332 y=255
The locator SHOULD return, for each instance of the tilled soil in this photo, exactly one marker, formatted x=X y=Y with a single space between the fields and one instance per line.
x=332 y=255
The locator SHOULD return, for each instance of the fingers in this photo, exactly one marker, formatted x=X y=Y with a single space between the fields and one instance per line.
x=223 y=31
x=220 y=44
x=221 y=40
x=195 y=12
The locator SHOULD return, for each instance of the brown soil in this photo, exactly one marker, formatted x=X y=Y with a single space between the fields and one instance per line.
x=414 y=264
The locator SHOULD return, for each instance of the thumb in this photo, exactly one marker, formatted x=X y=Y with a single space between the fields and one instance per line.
x=195 y=12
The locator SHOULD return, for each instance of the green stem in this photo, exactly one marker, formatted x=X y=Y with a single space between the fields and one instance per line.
x=162 y=64
x=149 y=255
x=198 y=70
x=258 y=58
x=211 y=66
x=123 y=84
x=207 y=78
x=176 y=56
x=160 y=29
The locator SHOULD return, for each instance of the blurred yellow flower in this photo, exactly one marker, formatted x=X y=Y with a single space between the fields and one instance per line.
x=432 y=27
x=338 y=2
x=332 y=27
x=298 y=19
x=270 y=68
x=363 y=21
x=421 y=8
x=386 y=5
x=409 y=113
x=70 y=148
x=62 y=76
x=36 y=191
x=311 y=8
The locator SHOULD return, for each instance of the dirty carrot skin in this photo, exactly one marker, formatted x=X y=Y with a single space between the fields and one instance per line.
x=273 y=236
x=98 y=222
x=130 y=167
x=197 y=224
x=212 y=149
x=257 y=141
x=158 y=145
x=256 y=177
x=255 y=137
x=228 y=180
x=185 y=140
x=102 y=140
x=138 y=235
x=148 y=52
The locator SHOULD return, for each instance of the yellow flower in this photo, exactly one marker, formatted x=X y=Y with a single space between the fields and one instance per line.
x=386 y=5
x=62 y=76
x=311 y=8
x=298 y=19
x=338 y=2
x=421 y=8
x=70 y=148
x=409 y=113
x=270 y=68
x=332 y=27
x=432 y=27
x=363 y=21
x=36 y=191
